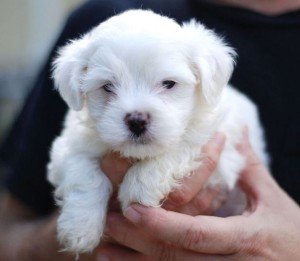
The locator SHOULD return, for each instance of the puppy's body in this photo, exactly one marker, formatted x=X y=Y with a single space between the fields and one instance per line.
x=142 y=85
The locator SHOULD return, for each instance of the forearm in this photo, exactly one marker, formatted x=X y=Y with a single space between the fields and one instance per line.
x=23 y=236
x=26 y=240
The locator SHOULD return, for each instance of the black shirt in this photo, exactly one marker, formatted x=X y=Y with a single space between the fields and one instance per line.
x=267 y=70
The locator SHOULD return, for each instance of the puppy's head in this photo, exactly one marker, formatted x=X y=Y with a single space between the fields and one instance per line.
x=142 y=78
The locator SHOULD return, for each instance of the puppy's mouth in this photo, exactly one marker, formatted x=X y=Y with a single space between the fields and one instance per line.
x=144 y=139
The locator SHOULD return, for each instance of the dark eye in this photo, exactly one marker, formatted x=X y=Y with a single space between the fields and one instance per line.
x=168 y=84
x=107 y=87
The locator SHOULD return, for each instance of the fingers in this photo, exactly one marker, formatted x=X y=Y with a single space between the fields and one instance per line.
x=133 y=237
x=261 y=188
x=255 y=178
x=202 y=203
x=115 y=167
x=192 y=184
x=210 y=235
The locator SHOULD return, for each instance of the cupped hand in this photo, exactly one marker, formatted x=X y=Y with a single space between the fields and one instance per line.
x=269 y=229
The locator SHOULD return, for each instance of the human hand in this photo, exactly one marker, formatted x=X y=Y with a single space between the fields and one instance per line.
x=267 y=230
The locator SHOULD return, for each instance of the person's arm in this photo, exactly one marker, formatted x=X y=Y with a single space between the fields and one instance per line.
x=268 y=230
x=24 y=236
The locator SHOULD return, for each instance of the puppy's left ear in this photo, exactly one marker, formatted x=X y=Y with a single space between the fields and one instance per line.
x=212 y=60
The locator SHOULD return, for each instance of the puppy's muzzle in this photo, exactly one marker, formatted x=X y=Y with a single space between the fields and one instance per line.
x=137 y=122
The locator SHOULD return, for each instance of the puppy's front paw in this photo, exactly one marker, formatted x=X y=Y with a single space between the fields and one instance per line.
x=144 y=185
x=80 y=231
x=142 y=194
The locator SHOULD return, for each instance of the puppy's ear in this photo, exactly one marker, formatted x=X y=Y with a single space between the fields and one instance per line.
x=69 y=69
x=212 y=60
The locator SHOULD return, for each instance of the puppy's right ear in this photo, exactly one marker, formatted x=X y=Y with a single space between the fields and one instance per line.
x=69 y=69
x=211 y=59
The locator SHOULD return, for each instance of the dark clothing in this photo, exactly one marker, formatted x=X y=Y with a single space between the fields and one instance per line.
x=267 y=70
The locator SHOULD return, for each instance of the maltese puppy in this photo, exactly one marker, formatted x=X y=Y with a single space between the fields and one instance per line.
x=154 y=91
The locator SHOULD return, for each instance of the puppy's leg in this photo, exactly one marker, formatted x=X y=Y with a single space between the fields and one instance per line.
x=83 y=193
x=149 y=182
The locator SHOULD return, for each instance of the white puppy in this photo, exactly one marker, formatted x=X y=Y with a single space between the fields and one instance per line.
x=155 y=91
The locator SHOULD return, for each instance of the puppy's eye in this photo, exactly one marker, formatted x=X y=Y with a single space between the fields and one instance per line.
x=168 y=84
x=107 y=87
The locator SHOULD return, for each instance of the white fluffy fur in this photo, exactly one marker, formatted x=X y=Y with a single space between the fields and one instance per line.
x=135 y=52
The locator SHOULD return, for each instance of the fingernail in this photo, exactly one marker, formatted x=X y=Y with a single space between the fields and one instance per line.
x=132 y=215
x=219 y=138
x=102 y=257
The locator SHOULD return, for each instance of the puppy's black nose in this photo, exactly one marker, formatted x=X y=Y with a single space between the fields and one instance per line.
x=137 y=122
